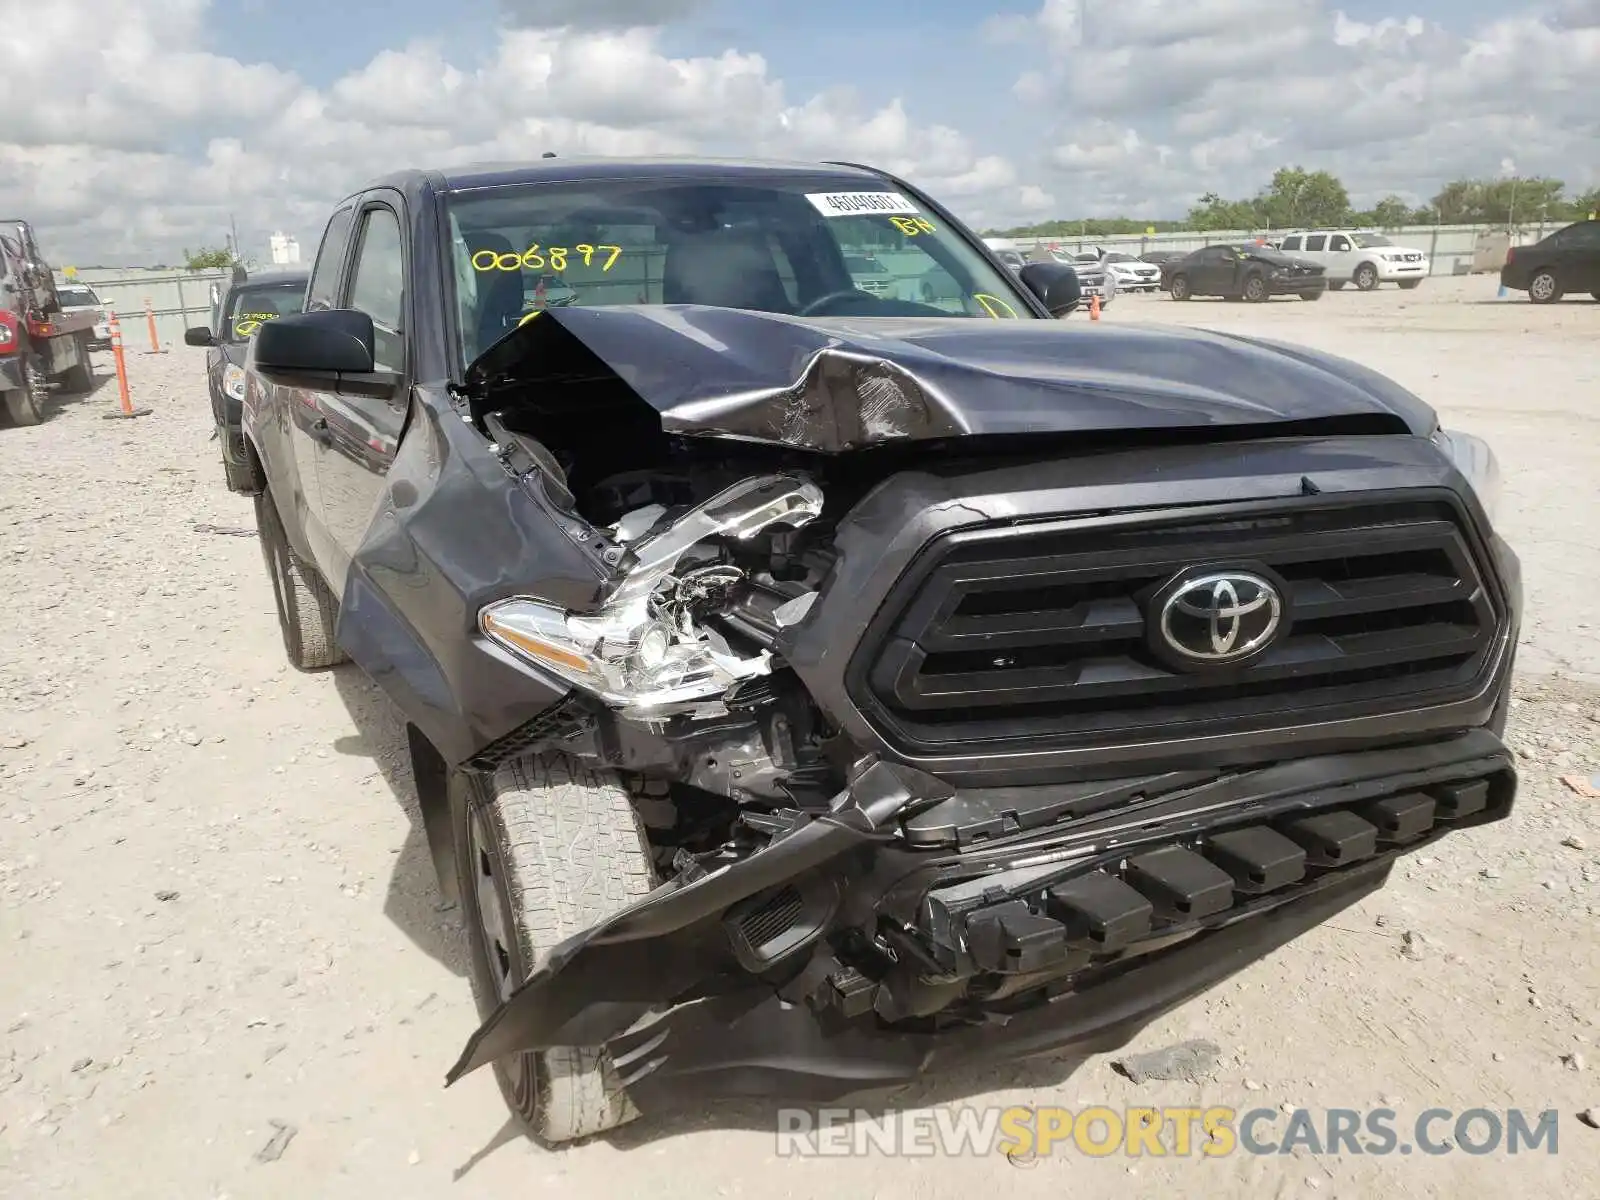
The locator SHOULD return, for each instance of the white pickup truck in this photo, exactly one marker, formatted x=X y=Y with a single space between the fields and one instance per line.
x=1358 y=256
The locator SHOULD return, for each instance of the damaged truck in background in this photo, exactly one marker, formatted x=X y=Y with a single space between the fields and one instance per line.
x=810 y=688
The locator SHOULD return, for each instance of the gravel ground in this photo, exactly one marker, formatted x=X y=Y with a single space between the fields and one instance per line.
x=218 y=930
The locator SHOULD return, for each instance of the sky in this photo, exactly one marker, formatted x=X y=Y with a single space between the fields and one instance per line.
x=129 y=138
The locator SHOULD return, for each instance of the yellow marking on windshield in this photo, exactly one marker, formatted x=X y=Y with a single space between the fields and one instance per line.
x=542 y=258
x=991 y=303
x=248 y=323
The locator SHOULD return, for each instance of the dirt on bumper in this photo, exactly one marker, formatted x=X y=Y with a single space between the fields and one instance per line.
x=912 y=927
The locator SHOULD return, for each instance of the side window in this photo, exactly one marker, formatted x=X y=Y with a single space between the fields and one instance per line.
x=377 y=284
x=1317 y=241
x=1582 y=237
x=1339 y=242
x=323 y=290
x=1291 y=243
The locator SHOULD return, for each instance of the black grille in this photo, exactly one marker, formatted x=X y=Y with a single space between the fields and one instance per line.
x=1039 y=633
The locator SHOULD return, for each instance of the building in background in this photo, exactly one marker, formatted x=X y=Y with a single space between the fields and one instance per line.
x=285 y=250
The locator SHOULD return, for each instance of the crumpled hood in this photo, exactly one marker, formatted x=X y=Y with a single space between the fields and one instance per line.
x=837 y=383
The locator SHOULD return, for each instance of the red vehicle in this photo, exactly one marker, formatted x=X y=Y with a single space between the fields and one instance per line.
x=41 y=347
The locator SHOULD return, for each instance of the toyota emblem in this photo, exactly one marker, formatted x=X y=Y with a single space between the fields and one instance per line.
x=1219 y=617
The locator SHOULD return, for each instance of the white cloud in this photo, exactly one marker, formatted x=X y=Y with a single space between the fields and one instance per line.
x=97 y=175
x=1235 y=88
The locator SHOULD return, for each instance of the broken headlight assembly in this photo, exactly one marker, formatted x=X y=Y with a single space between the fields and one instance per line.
x=646 y=649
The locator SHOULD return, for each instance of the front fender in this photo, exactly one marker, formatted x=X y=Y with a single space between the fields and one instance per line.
x=454 y=531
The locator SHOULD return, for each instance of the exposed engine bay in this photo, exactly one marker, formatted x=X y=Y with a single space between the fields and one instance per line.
x=694 y=701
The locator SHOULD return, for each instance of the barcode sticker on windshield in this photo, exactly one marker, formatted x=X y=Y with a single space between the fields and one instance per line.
x=856 y=204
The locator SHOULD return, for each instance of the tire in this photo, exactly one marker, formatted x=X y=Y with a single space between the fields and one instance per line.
x=79 y=378
x=1256 y=290
x=22 y=408
x=1411 y=285
x=1366 y=277
x=1544 y=287
x=1596 y=295
x=1336 y=285
x=307 y=609
x=555 y=847
x=1179 y=287
x=25 y=405
x=238 y=477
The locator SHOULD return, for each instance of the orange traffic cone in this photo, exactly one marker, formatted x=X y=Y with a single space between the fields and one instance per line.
x=1094 y=306
x=127 y=409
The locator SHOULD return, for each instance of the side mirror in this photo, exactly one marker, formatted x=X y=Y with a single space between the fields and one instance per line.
x=1055 y=284
x=198 y=336
x=314 y=347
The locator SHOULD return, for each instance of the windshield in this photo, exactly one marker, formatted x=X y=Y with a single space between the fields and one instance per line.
x=76 y=297
x=249 y=306
x=1368 y=240
x=857 y=265
x=1116 y=256
x=785 y=244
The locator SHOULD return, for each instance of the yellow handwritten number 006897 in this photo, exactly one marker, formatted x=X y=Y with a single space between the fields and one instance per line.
x=548 y=258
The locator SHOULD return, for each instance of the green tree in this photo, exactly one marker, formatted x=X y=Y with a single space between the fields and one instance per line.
x=1213 y=212
x=1502 y=201
x=207 y=257
x=1299 y=197
x=1391 y=212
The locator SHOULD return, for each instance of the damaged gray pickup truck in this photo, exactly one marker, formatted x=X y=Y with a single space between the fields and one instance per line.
x=811 y=688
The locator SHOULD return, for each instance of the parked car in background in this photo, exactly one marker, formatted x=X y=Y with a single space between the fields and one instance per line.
x=1007 y=252
x=1359 y=257
x=1567 y=260
x=1251 y=272
x=1131 y=274
x=80 y=297
x=1092 y=275
x=248 y=302
x=868 y=274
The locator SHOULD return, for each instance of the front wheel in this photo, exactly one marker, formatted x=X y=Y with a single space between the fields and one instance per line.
x=1366 y=277
x=1255 y=289
x=23 y=407
x=1544 y=288
x=1180 y=287
x=307 y=609
x=545 y=848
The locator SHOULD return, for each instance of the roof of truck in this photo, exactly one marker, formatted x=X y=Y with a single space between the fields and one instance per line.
x=582 y=167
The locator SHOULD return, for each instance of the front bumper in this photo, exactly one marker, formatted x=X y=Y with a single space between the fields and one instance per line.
x=1138 y=283
x=1389 y=271
x=1298 y=285
x=914 y=926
